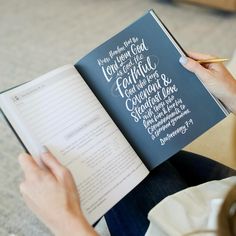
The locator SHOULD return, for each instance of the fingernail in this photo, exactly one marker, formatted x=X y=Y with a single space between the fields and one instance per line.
x=43 y=149
x=183 y=60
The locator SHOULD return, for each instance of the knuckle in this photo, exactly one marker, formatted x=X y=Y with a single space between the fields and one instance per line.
x=195 y=66
x=35 y=177
x=47 y=176
x=192 y=65
x=64 y=173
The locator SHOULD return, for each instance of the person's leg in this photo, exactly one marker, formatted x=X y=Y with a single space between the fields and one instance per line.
x=129 y=216
x=196 y=169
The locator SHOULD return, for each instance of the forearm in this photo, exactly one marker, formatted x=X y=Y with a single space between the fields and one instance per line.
x=74 y=227
x=230 y=99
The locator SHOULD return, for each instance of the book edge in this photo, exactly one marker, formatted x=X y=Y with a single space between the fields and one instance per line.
x=13 y=130
x=183 y=53
x=49 y=73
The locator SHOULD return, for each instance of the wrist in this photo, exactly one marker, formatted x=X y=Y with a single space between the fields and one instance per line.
x=74 y=226
x=231 y=98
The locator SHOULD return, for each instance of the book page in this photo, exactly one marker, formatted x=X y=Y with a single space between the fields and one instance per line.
x=60 y=111
x=158 y=105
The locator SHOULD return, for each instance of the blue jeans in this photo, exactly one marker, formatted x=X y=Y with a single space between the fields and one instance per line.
x=183 y=170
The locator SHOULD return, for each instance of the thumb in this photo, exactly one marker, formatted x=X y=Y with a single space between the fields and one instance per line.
x=193 y=66
x=52 y=163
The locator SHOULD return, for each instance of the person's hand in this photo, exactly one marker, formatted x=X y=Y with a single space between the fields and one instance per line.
x=51 y=194
x=215 y=77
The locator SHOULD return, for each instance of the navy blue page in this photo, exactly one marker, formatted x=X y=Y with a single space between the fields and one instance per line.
x=158 y=105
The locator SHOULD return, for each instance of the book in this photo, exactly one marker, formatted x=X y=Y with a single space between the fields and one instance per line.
x=119 y=112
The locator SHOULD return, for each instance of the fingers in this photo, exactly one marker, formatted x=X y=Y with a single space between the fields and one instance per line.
x=28 y=164
x=53 y=167
x=193 y=66
x=58 y=170
x=199 y=56
x=210 y=66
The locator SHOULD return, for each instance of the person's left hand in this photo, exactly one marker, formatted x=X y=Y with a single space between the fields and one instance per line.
x=52 y=195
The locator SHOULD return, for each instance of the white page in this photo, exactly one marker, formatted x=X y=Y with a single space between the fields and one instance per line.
x=60 y=111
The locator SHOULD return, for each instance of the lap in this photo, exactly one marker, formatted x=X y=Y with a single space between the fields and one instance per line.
x=196 y=169
x=129 y=216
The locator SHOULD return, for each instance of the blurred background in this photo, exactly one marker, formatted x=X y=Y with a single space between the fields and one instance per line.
x=38 y=36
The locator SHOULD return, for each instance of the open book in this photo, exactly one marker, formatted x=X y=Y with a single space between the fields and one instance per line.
x=119 y=112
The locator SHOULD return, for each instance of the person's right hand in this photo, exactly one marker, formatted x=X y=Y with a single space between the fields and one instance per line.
x=215 y=77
